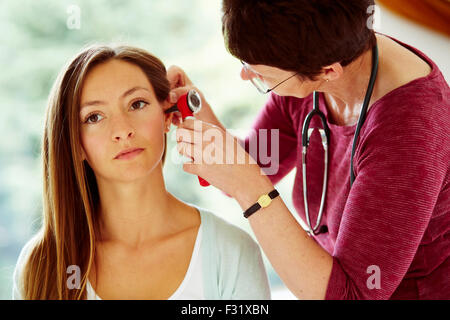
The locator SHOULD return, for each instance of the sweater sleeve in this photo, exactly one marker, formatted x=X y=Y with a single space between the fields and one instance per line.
x=273 y=127
x=401 y=165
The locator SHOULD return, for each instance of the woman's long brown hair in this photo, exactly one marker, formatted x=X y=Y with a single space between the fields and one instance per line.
x=70 y=195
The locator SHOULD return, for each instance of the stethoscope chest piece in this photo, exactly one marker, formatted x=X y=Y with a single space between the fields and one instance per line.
x=306 y=136
x=325 y=136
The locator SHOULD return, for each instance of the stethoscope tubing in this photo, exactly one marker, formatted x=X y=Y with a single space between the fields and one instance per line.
x=362 y=115
x=325 y=136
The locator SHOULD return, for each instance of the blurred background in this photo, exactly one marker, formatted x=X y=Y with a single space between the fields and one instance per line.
x=38 y=37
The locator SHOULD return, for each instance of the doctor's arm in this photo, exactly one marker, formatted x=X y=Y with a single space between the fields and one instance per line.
x=387 y=212
x=378 y=227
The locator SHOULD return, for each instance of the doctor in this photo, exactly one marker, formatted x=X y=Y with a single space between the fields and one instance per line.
x=372 y=185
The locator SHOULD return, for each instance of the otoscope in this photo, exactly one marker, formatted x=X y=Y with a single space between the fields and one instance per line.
x=189 y=104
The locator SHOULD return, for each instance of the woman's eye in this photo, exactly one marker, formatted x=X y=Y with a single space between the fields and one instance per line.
x=139 y=104
x=93 y=118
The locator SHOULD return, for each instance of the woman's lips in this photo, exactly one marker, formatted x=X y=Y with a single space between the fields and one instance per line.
x=129 y=154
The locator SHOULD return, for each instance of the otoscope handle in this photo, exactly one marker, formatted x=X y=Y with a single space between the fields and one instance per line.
x=183 y=106
x=203 y=182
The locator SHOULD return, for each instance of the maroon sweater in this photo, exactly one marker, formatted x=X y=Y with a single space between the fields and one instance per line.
x=396 y=216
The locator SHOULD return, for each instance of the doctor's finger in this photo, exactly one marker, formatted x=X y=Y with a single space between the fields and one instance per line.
x=177 y=77
x=193 y=124
x=185 y=149
x=176 y=119
x=176 y=93
x=185 y=135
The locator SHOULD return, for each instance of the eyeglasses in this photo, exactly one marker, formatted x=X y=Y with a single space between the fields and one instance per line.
x=257 y=80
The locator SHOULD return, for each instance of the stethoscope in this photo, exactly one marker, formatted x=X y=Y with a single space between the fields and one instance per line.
x=325 y=137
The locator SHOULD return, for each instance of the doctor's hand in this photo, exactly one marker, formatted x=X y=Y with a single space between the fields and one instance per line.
x=181 y=84
x=218 y=157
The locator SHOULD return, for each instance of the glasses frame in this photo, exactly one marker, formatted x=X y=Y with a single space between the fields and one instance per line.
x=259 y=84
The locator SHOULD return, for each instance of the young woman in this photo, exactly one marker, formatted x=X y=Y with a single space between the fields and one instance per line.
x=107 y=213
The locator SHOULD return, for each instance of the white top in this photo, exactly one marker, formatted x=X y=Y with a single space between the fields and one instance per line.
x=226 y=264
x=191 y=288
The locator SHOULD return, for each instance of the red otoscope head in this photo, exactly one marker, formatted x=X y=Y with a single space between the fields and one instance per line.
x=187 y=104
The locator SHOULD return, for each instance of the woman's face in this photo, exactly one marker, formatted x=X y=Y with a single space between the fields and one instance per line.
x=119 y=111
x=273 y=76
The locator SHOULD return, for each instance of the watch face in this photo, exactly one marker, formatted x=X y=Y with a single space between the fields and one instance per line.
x=264 y=200
x=194 y=101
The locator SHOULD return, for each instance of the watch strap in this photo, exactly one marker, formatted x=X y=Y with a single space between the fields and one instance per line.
x=264 y=201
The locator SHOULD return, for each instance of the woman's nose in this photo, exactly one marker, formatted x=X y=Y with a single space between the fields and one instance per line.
x=122 y=130
x=123 y=136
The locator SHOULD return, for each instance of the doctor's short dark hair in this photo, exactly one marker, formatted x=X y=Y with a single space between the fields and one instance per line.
x=298 y=35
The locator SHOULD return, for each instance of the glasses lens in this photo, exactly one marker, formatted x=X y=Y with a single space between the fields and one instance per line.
x=260 y=84
x=255 y=79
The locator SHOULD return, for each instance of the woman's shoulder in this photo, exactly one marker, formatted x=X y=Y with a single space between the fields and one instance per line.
x=26 y=251
x=20 y=264
x=234 y=261
x=224 y=233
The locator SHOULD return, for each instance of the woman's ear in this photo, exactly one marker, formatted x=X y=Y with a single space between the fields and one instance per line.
x=167 y=117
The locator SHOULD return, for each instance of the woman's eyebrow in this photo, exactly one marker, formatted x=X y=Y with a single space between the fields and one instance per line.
x=132 y=90
x=126 y=93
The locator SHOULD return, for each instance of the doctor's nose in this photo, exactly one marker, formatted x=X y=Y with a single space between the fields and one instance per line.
x=245 y=74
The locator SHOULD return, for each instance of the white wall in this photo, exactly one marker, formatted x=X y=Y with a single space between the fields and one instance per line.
x=433 y=44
